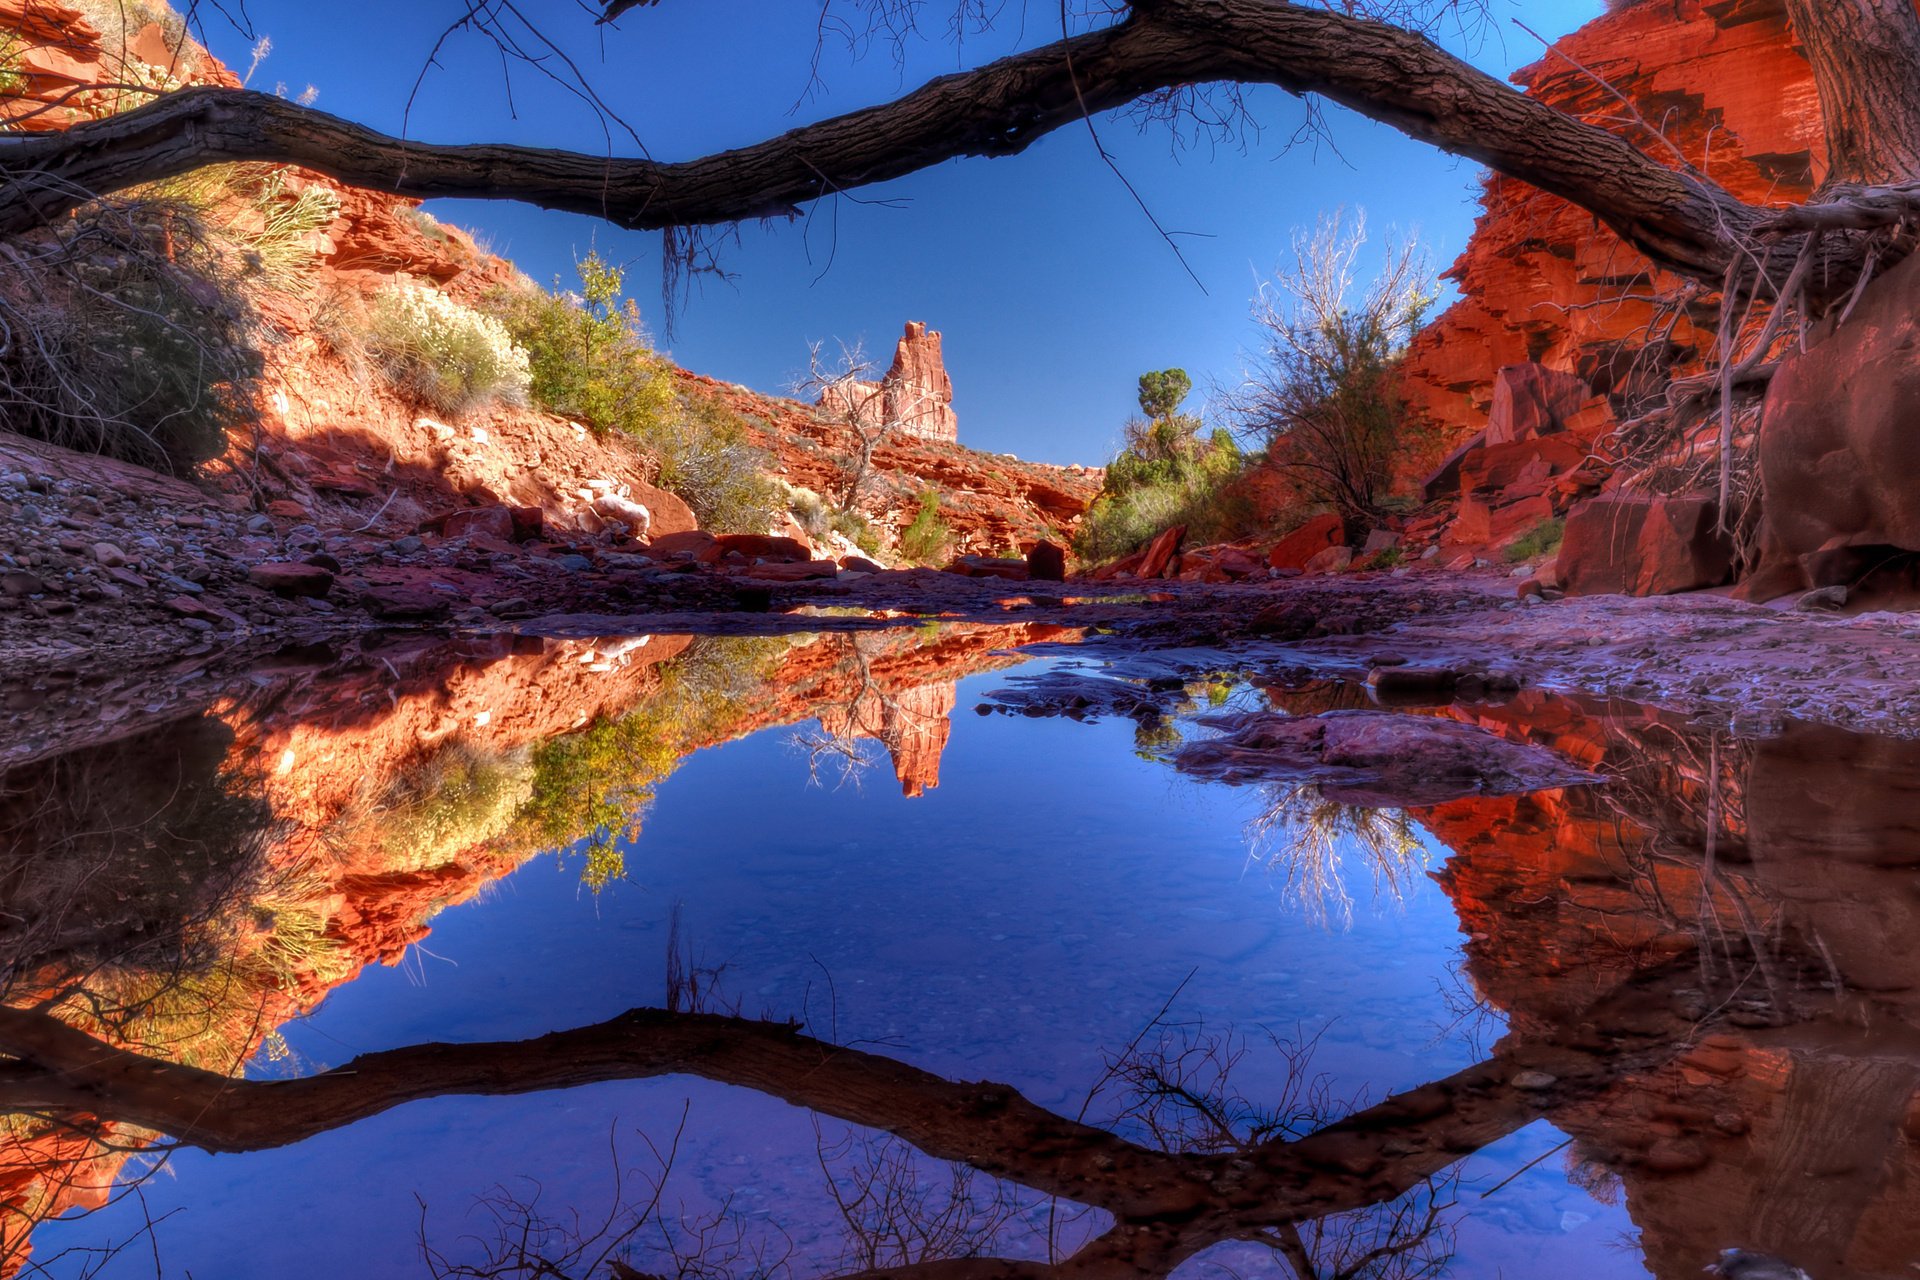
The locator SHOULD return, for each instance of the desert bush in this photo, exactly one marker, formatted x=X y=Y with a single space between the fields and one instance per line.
x=588 y=359
x=1324 y=394
x=267 y=228
x=926 y=537
x=446 y=355
x=703 y=454
x=125 y=331
x=1165 y=475
x=1543 y=539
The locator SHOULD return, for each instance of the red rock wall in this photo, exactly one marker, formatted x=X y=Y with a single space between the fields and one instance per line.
x=1542 y=280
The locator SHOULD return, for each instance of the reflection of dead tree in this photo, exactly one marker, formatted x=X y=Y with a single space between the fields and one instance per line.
x=894 y=1214
x=1308 y=838
x=843 y=736
x=1178 y=1089
x=1166 y=1206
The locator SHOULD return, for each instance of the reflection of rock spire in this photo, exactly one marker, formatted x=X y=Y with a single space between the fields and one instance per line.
x=913 y=724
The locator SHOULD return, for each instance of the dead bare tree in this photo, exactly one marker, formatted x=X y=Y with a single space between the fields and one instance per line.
x=867 y=405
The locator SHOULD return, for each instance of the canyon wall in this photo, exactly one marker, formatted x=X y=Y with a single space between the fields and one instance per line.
x=1716 y=85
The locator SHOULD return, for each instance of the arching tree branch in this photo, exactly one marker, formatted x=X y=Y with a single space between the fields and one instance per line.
x=1380 y=70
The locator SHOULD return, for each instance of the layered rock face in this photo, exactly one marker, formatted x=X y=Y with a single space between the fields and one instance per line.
x=916 y=394
x=1542 y=281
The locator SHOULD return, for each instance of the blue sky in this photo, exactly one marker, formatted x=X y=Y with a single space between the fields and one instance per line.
x=1051 y=287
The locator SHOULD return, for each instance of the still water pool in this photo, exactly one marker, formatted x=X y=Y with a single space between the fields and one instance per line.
x=936 y=993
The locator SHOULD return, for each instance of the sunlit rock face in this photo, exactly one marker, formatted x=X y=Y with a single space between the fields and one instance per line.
x=1542 y=281
x=916 y=393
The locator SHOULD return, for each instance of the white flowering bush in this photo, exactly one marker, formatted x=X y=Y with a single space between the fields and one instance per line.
x=444 y=354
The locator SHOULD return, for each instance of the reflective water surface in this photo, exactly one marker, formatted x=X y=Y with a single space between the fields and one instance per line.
x=729 y=957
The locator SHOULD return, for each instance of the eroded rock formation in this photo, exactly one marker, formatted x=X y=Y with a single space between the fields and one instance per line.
x=915 y=395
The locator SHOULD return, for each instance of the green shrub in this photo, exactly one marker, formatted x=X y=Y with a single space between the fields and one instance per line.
x=131 y=336
x=926 y=537
x=856 y=528
x=446 y=355
x=588 y=359
x=1543 y=539
x=1190 y=484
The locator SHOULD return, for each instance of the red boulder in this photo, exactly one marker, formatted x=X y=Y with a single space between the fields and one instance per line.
x=1306 y=542
x=1644 y=545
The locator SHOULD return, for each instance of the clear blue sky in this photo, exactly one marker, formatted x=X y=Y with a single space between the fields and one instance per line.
x=1051 y=287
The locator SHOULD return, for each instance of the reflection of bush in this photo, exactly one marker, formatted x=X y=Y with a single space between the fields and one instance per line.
x=593 y=786
x=431 y=813
x=1307 y=839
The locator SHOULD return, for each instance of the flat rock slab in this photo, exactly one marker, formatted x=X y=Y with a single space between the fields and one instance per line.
x=1077 y=697
x=1376 y=759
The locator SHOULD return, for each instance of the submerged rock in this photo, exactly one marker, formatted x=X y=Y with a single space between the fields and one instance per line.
x=1078 y=697
x=1375 y=759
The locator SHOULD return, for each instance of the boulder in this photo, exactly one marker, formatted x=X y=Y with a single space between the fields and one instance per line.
x=1304 y=543
x=406 y=602
x=1531 y=400
x=791 y=570
x=1480 y=523
x=634 y=515
x=1331 y=560
x=1520 y=463
x=1379 y=540
x=1373 y=758
x=1643 y=545
x=492 y=522
x=1162 y=558
x=287 y=579
x=989 y=567
x=1838 y=452
x=860 y=564
x=1445 y=478
x=695 y=544
x=1237 y=564
x=763 y=546
x=529 y=523
x=1047 y=562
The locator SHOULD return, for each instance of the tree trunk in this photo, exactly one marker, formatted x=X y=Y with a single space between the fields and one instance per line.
x=1383 y=71
x=1865 y=56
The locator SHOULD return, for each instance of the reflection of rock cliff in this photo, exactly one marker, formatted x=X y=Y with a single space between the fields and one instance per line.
x=329 y=806
x=1777 y=877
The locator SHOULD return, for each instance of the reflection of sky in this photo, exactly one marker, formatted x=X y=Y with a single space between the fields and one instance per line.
x=1033 y=912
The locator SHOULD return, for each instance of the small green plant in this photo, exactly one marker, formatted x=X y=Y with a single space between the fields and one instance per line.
x=925 y=539
x=1543 y=539
x=1388 y=558
x=587 y=354
x=855 y=528
x=447 y=356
